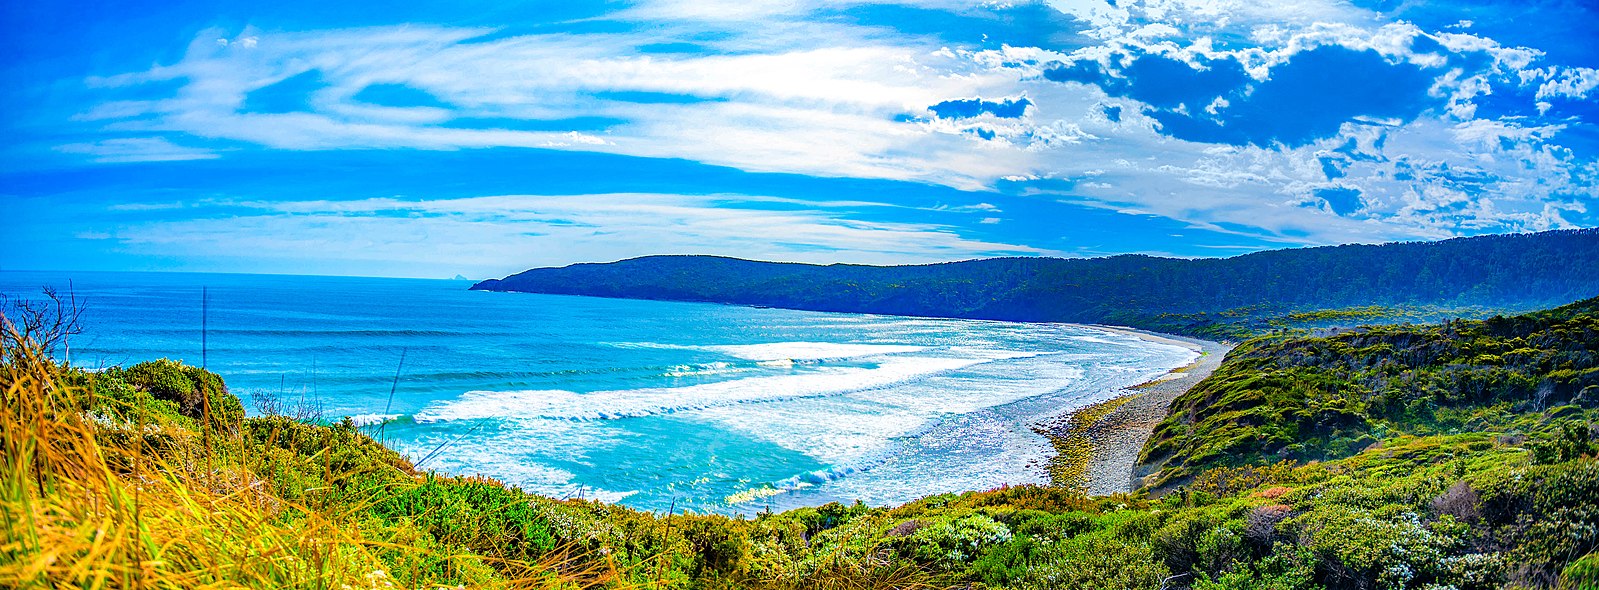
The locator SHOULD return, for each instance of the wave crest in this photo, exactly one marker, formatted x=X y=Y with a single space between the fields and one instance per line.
x=556 y=404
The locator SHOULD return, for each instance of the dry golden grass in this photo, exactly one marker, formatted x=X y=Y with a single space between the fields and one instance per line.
x=88 y=504
x=72 y=520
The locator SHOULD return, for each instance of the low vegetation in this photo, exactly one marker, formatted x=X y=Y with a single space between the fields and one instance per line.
x=1452 y=456
x=1310 y=397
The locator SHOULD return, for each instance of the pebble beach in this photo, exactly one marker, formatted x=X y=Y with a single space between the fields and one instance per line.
x=1097 y=447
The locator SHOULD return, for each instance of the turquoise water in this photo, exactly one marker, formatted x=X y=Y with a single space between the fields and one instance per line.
x=650 y=404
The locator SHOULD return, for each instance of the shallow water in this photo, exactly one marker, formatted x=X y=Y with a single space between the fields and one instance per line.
x=650 y=404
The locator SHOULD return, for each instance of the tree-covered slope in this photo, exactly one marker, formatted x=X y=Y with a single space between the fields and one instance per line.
x=1244 y=293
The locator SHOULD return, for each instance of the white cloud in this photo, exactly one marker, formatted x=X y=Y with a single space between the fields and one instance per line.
x=1109 y=20
x=136 y=149
x=501 y=234
x=780 y=93
x=824 y=104
x=1571 y=83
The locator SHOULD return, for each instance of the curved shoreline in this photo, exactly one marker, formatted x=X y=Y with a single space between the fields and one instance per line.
x=1097 y=446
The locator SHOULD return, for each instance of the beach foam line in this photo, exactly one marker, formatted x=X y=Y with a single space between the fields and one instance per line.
x=606 y=496
x=798 y=351
x=796 y=483
x=556 y=404
x=666 y=370
x=363 y=420
x=531 y=476
x=717 y=368
x=785 y=351
x=1097 y=340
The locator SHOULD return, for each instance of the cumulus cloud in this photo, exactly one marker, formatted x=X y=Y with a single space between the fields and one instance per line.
x=1570 y=83
x=1311 y=122
x=1390 y=112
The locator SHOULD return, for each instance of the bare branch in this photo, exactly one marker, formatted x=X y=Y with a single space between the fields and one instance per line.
x=48 y=323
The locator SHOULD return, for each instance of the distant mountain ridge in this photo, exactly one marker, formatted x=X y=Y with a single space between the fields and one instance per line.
x=1501 y=272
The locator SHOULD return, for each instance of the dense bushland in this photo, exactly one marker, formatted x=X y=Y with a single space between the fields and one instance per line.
x=1448 y=468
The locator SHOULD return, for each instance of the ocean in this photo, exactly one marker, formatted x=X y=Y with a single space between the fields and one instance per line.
x=653 y=405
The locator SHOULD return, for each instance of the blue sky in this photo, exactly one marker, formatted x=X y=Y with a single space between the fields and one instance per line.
x=483 y=138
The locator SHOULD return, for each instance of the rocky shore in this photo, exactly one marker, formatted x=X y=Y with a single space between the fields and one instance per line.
x=1097 y=446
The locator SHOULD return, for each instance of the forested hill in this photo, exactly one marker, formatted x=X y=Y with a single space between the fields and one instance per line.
x=1502 y=272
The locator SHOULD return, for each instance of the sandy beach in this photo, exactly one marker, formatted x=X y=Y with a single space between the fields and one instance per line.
x=1097 y=446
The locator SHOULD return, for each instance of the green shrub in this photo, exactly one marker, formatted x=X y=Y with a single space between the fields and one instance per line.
x=1582 y=574
x=1006 y=564
x=1055 y=527
x=777 y=546
x=197 y=392
x=121 y=402
x=482 y=516
x=1393 y=548
x=337 y=460
x=1570 y=440
x=1213 y=540
x=827 y=516
x=1286 y=568
x=1095 y=561
x=951 y=543
x=718 y=545
x=1546 y=516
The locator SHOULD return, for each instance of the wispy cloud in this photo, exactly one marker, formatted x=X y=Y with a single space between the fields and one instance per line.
x=825 y=104
x=137 y=149
x=501 y=234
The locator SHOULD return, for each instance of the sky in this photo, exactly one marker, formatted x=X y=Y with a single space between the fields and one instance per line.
x=482 y=138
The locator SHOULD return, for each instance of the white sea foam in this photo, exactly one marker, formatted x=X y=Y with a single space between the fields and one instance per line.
x=887 y=421
x=835 y=430
x=809 y=479
x=796 y=351
x=965 y=430
x=701 y=370
x=784 y=351
x=372 y=419
x=481 y=459
x=854 y=427
x=520 y=457
x=632 y=403
x=1096 y=340
x=606 y=496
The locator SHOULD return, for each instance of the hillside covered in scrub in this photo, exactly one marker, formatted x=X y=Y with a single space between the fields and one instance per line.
x=1450 y=456
x=1331 y=395
x=1213 y=297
